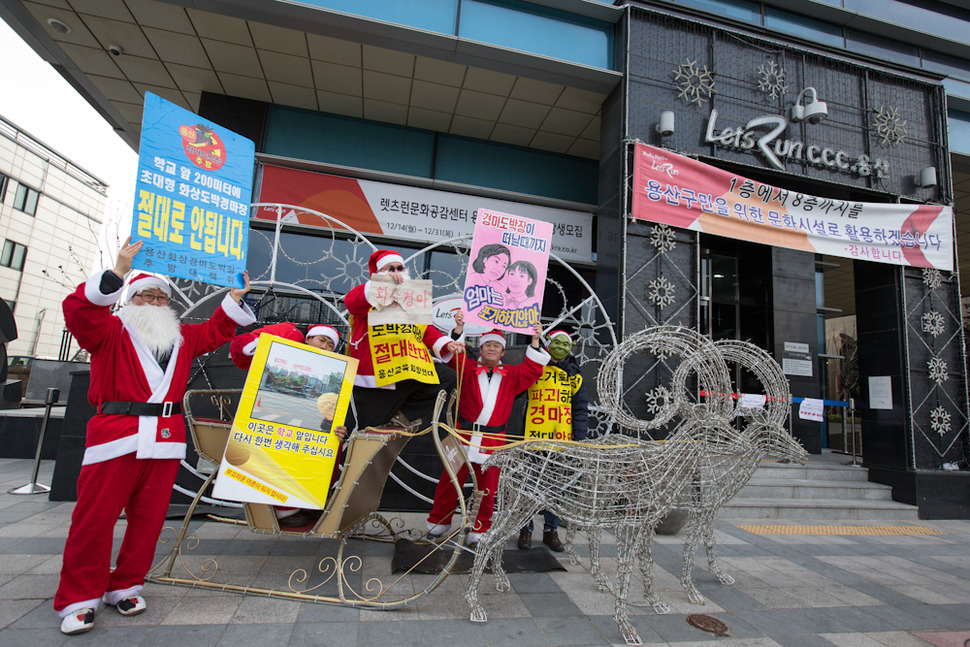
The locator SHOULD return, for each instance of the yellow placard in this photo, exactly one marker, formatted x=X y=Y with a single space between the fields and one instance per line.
x=281 y=450
x=549 y=412
x=399 y=353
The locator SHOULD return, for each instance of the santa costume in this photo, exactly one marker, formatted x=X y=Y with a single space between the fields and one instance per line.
x=377 y=402
x=243 y=346
x=484 y=405
x=134 y=442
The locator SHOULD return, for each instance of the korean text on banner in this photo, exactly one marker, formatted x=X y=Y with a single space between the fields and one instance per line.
x=682 y=192
x=281 y=449
x=507 y=273
x=406 y=212
x=192 y=196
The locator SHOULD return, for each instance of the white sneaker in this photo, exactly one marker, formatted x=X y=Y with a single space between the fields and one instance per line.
x=132 y=606
x=77 y=622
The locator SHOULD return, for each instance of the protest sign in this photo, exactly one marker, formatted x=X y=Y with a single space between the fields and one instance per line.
x=192 y=197
x=507 y=274
x=282 y=450
x=408 y=302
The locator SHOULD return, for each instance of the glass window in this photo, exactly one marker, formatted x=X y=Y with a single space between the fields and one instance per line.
x=431 y=15
x=26 y=199
x=11 y=304
x=737 y=9
x=943 y=20
x=807 y=28
x=958 y=128
x=13 y=255
x=540 y=31
x=309 y=135
x=881 y=48
x=3 y=187
x=958 y=68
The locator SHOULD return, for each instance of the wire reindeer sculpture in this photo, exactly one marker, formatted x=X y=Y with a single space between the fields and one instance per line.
x=620 y=482
x=720 y=475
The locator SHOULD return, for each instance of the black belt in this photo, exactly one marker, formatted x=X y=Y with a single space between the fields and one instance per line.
x=468 y=425
x=160 y=409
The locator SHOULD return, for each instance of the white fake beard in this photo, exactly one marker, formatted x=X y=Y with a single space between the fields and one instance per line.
x=406 y=273
x=156 y=327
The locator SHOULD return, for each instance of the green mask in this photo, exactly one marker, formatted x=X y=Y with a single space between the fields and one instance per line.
x=559 y=348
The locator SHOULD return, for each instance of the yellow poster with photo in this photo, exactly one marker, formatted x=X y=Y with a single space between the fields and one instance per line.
x=282 y=449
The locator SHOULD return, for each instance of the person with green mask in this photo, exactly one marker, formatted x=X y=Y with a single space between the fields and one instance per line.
x=558 y=409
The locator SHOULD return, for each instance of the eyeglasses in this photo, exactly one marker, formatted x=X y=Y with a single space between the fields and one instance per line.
x=151 y=298
x=394 y=268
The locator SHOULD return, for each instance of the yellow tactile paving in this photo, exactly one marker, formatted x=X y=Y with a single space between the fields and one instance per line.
x=840 y=530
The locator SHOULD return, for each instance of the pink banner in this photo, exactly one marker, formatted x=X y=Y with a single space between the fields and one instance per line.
x=682 y=192
x=507 y=272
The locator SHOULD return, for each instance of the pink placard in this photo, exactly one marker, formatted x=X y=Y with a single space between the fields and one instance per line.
x=507 y=273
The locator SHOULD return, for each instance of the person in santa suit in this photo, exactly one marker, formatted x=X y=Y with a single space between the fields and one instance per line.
x=243 y=346
x=487 y=391
x=241 y=351
x=140 y=364
x=396 y=371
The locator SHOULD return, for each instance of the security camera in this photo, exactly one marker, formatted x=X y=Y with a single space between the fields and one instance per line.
x=115 y=50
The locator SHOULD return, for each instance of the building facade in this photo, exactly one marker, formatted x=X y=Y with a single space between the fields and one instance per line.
x=50 y=220
x=405 y=117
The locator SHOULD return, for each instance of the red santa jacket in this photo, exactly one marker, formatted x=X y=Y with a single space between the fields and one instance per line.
x=239 y=344
x=488 y=402
x=359 y=302
x=123 y=369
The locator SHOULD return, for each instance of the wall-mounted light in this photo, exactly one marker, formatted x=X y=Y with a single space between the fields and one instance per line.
x=813 y=111
x=665 y=127
x=926 y=178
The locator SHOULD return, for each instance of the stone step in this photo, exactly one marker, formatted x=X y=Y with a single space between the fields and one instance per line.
x=776 y=488
x=812 y=471
x=817 y=509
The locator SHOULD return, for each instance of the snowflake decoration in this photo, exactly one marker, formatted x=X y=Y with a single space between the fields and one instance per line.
x=932 y=278
x=662 y=238
x=661 y=292
x=657 y=399
x=890 y=126
x=933 y=323
x=771 y=80
x=937 y=368
x=940 y=420
x=696 y=83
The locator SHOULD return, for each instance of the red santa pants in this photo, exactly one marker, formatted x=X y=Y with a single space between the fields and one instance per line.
x=445 y=497
x=142 y=488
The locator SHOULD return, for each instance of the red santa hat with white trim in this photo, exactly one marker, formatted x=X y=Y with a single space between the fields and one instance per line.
x=493 y=335
x=323 y=330
x=144 y=281
x=382 y=258
x=558 y=333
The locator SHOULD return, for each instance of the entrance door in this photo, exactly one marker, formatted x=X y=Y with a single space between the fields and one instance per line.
x=719 y=299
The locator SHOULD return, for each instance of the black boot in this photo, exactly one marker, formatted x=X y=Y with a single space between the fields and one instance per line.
x=551 y=539
x=525 y=539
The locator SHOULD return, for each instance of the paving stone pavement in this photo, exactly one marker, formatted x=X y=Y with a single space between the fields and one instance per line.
x=791 y=590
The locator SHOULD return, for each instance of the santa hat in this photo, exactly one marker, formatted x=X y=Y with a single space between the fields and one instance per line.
x=382 y=258
x=557 y=333
x=326 y=331
x=493 y=335
x=143 y=281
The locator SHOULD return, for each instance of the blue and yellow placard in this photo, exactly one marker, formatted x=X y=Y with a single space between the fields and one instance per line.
x=282 y=449
x=192 y=197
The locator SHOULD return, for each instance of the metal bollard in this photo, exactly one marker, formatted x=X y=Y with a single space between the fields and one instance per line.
x=34 y=487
